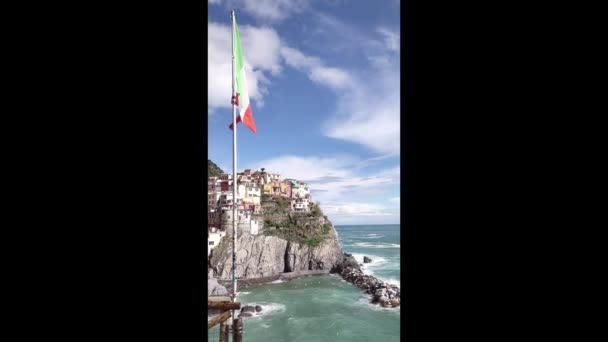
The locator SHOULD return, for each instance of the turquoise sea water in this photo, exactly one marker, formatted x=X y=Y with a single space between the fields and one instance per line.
x=327 y=308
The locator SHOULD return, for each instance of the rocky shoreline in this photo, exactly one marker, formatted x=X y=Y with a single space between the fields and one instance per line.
x=387 y=295
x=382 y=293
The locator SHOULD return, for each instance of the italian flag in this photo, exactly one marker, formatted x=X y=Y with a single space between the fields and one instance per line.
x=241 y=98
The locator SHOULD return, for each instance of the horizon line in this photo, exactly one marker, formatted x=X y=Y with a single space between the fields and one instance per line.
x=367 y=224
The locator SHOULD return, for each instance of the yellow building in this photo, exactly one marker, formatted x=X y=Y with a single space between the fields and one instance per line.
x=253 y=200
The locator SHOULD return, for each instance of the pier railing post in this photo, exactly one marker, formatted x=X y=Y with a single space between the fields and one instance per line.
x=224 y=331
x=237 y=330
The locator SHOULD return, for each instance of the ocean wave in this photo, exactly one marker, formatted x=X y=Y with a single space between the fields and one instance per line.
x=387 y=280
x=376 y=245
x=392 y=281
x=366 y=300
x=239 y=293
x=278 y=281
x=376 y=260
x=268 y=309
x=371 y=236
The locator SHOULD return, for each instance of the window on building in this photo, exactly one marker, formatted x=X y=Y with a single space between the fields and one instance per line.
x=210 y=243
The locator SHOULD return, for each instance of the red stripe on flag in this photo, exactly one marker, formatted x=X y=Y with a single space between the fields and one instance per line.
x=238 y=119
x=247 y=120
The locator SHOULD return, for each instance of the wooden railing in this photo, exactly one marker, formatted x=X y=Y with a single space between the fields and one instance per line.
x=225 y=304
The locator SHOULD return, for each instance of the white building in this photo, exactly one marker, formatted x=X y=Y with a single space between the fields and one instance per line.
x=254 y=227
x=252 y=189
x=213 y=199
x=300 y=204
x=267 y=178
x=214 y=239
x=299 y=190
x=225 y=198
x=243 y=216
x=245 y=220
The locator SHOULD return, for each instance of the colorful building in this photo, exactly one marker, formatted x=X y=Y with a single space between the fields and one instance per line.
x=213 y=239
x=300 y=204
x=266 y=189
x=299 y=189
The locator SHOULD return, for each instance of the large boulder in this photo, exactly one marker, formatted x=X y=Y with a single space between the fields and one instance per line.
x=248 y=308
x=366 y=260
x=348 y=263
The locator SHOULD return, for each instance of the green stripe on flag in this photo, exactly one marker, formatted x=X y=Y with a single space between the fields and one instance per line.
x=238 y=55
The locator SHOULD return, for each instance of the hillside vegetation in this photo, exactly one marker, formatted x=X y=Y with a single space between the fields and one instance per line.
x=309 y=228
x=213 y=170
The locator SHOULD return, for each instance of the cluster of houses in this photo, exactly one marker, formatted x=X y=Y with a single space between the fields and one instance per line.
x=252 y=187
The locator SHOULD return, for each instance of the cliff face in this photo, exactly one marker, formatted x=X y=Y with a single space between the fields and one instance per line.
x=270 y=253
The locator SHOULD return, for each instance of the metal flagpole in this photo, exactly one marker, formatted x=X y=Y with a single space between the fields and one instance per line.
x=234 y=180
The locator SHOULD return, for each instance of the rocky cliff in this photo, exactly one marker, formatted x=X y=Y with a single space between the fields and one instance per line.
x=286 y=242
x=263 y=255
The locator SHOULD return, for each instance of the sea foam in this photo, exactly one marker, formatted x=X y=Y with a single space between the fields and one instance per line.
x=376 y=260
x=366 y=300
x=268 y=309
x=372 y=236
x=376 y=245
x=393 y=281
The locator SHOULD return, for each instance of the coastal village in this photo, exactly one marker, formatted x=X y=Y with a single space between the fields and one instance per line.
x=287 y=227
x=253 y=187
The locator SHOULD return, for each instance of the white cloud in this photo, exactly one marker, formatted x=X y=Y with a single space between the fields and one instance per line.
x=213 y=1
x=316 y=70
x=391 y=39
x=369 y=112
x=370 y=118
x=297 y=59
x=260 y=46
x=337 y=183
x=396 y=200
x=333 y=177
x=307 y=168
x=332 y=77
x=368 y=101
x=274 y=9
x=264 y=55
x=351 y=209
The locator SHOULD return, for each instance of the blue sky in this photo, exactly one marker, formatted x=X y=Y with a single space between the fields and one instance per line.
x=324 y=84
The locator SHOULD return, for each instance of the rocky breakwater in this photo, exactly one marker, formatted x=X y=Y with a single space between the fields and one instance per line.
x=387 y=295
